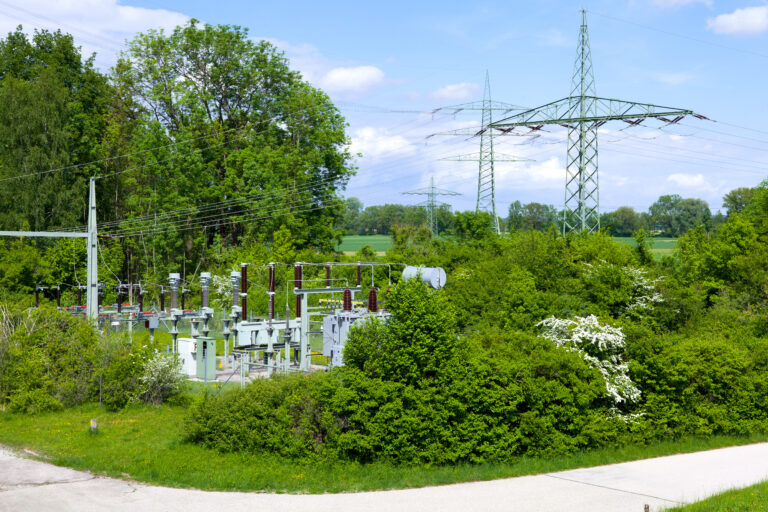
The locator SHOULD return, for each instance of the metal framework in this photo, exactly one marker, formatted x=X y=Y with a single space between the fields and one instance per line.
x=486 y=180
x=582 y=113
x=431 y=204
x=92 y=290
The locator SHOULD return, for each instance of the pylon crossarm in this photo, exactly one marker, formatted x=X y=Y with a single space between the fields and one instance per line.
x=567 y=111
x=479 y=105
x=474 y=157
x=476 y=132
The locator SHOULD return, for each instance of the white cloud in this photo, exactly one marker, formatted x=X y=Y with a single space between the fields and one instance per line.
x=456 y=92
x=741 y=22
x=100 y=26
x=689 y=180
x=678 y=3
x=376 y=143
x=352 y=80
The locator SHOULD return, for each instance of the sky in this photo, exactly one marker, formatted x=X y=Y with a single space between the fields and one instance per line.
x=389 y=65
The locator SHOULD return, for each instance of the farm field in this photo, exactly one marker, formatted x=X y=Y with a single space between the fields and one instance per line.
x=381 y=243
x=353 y=243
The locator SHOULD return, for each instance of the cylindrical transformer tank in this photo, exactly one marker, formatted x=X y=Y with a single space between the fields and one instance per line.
x=433 y=276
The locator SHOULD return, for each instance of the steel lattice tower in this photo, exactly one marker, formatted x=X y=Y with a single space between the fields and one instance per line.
x=432 y=204
x=582 y=113
x=582 y=190
x=486 y=182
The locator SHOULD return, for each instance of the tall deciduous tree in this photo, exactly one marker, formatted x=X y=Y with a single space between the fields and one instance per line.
x=239 y=128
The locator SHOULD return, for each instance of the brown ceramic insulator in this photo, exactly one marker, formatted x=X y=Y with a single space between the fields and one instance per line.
x=347 y=303
x=162 y=299
x=373 y=305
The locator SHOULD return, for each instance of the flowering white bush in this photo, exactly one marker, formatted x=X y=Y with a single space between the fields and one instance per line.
x=601 y=346
x=160 y=379
x=221 y=286
x=643 y=295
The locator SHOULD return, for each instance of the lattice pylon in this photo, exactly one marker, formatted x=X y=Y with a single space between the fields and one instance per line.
x=486 y=181
x=582 y=190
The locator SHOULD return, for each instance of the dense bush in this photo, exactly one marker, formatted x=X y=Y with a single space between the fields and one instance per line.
x=50 y=359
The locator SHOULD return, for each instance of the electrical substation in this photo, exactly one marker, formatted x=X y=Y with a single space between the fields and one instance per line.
x=326 y=308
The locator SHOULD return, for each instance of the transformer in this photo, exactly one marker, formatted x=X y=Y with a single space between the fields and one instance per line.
x=336 y=330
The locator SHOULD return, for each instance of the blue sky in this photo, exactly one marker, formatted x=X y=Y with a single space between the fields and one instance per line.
x=378 y=59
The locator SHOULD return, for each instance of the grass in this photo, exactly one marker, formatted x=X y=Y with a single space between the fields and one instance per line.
x=353 y=243
x=749 y=499
x=145 y=444
x=661 y=246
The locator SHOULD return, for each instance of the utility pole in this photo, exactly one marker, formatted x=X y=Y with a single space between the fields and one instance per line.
x=582 y=113
x=431 y=204
x=91 y=236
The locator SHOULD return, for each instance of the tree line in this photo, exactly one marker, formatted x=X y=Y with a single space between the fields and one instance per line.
x=202 y=138
x=670 y=215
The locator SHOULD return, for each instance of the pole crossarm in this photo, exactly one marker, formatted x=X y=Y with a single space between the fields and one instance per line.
x=474 y=157
x=45 y=234
x=567 y=112
x=480 y=105
x=476 y=132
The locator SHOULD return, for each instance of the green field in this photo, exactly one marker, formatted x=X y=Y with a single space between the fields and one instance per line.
x=661 y=246
x=353 y=243
x=381 y=243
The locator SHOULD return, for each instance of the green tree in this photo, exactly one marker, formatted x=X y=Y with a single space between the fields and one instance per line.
x=214 y=116
x=53 y=106
x=737 y=199
x=473 y=225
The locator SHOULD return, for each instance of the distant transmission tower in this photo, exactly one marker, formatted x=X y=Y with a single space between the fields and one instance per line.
x=486 y=181
x=582 y=113
x=432 y=204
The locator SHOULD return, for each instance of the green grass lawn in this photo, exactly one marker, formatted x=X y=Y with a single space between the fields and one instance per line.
x=353 y=243
x=145 y=444
x=750 y=499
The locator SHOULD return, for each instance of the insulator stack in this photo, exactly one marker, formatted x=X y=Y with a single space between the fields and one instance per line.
x=373 y=305
x=79 y=296
x=174 y=280
x=234 y=278
x=58 y=296
x=162 y=299
x=205 y=283
x=297 y=279
x=272 y=291
x=327 y=275
x=141 y=301
x=244 y=289
x=359 y=274
x=347 y=302
x=183 y=295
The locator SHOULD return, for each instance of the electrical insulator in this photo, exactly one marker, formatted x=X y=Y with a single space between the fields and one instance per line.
x=373 y=305
x=347 y=303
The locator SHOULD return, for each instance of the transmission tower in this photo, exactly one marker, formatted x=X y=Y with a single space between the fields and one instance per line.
x=432 y=204
x=486 y=181
x=582 y=113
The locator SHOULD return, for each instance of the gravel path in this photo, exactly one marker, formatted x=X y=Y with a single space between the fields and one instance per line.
x=31 y=485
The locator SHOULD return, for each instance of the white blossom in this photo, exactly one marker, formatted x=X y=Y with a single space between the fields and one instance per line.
x=601 y=346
